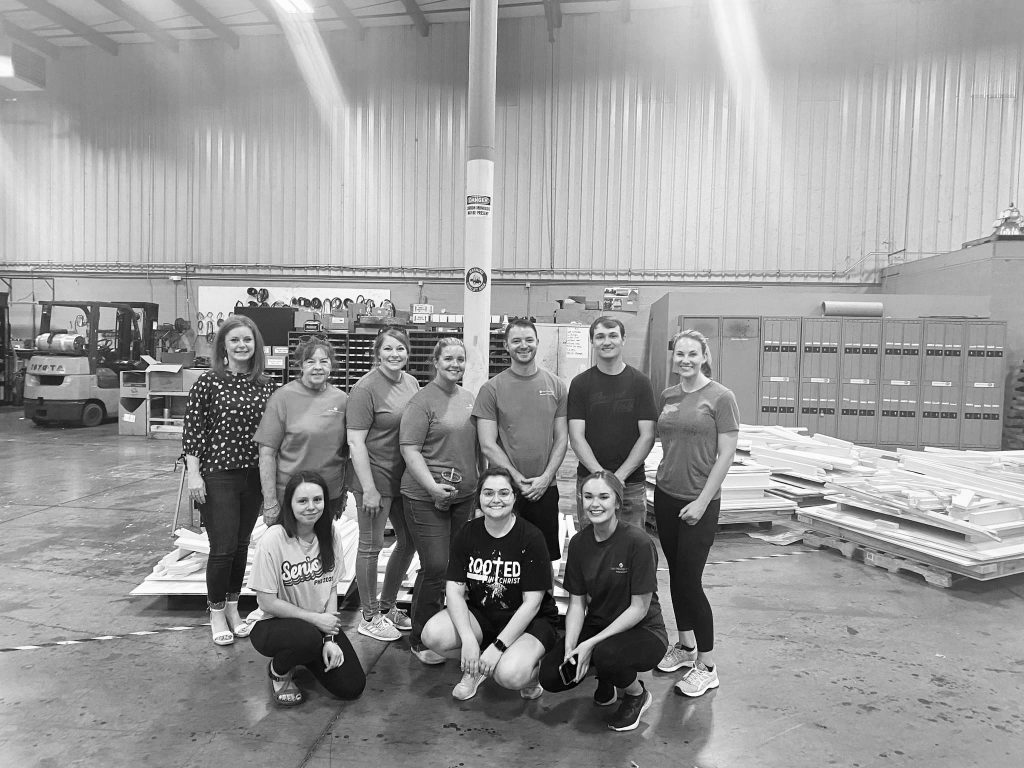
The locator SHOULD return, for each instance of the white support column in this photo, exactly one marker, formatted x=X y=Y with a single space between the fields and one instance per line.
x=479 y=241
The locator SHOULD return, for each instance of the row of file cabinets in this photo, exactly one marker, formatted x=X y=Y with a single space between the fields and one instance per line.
x=886 y=382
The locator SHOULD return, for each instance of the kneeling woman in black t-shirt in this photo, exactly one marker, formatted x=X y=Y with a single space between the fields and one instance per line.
x=614 y=622
x=499 y=596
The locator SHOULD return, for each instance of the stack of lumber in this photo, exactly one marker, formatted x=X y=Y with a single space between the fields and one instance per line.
x=815 y=460
x=937 y=513
x=746 y=496
x=183 y=570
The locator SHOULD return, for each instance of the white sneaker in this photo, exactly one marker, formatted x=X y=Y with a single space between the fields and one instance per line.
x=427 y=656
x=379 y=628
x=676 y=657
x=697 y=681
x=532 y=690
x=466 y=689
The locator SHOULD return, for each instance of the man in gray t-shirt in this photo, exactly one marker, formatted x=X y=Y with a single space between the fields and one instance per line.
x=521 y=425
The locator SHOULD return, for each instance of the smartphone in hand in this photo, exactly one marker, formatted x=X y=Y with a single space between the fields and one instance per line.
x=567 y=671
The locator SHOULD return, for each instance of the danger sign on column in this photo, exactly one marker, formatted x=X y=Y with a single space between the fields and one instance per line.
x=478 y=205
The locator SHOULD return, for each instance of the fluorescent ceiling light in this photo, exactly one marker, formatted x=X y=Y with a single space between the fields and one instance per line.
x=6 y=66
x=295 y=6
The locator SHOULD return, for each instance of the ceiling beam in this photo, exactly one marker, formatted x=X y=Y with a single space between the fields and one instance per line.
x=198 y=12
x=30 y=40
x=264 y=7
x=140 y=22
x=553 y=14
x=69 y=22
x=418 y=19
x=344 y=13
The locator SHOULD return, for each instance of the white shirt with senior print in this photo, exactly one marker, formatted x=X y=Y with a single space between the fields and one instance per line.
x=285 y=567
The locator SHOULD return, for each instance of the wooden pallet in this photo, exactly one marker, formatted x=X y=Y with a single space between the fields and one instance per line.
x=892 y=563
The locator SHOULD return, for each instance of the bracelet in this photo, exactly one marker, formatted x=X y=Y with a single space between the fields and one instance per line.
x=329 y=639
x=271 y=506
x=499 y=644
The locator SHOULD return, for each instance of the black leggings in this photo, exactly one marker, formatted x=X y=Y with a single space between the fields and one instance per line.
x=686 y=549
x=616 y=660
x=290 y=642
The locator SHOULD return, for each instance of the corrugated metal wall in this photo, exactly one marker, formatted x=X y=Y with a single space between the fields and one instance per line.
x=625 y=150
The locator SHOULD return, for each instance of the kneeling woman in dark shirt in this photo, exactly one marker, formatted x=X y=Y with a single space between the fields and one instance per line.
x=499 y=596
x=295 y=574
x=614 y=622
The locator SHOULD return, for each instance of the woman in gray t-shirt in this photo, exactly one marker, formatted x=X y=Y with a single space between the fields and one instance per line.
x=438 y=440
x=698 y=423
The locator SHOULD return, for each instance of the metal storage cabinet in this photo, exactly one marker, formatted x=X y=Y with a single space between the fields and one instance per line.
x=942 y=375
x=778 y=402
x=900 y=386
x=982 y=423
x=780 y=347
x=819 y=374
x=739 y=361
x=780 y=371
x=859 y=370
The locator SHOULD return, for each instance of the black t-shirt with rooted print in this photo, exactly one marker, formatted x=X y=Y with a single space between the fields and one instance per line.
x=496 y=572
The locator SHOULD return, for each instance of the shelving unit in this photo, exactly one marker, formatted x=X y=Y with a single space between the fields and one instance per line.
x=354 y=353
x=152 y=403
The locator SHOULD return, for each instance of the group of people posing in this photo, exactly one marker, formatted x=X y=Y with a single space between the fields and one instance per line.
x=487 y=538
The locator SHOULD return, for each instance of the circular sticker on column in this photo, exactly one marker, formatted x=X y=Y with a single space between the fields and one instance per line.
x=476 y=279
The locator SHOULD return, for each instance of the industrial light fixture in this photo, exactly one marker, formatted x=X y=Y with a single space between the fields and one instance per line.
x=295 y=6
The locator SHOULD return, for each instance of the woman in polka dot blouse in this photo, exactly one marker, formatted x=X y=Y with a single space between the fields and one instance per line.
x=225 y=406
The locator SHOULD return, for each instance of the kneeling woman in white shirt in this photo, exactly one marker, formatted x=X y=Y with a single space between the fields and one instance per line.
x=295 y=575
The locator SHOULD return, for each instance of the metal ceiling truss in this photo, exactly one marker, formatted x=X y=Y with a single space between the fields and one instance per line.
x=69 y=22
x=30 y=40
x=198 y=11
x=140 y=22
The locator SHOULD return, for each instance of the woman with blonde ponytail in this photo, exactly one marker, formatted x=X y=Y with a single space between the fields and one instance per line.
x=698 y=424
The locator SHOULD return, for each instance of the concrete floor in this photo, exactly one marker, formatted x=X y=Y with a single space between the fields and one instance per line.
x=823 y=661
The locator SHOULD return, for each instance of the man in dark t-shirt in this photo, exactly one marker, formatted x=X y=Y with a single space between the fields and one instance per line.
x=612 y=416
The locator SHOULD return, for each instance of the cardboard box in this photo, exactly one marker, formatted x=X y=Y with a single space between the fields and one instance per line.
x=184 y=359
x=280 y=351
x=339 y=322
x=419 y=318
x=163 y=377
x=421 y=309
x=277 y=362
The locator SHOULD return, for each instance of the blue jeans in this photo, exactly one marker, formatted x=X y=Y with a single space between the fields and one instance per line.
x=233 y=502
x=632 y=511
x=371 y=541
x=433 y=532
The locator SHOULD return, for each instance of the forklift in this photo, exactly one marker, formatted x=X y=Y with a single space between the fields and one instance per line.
x=87 y=344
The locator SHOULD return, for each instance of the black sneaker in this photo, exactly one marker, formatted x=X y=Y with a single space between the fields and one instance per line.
x=605 y=695
x=631 y=710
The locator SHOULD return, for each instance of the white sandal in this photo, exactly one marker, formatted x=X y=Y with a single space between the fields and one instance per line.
x=221 y=637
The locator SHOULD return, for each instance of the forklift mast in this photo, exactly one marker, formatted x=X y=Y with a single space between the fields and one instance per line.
x=134 y=331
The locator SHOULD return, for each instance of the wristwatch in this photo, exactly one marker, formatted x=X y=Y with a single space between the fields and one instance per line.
x=499 y=645
x=329 y=639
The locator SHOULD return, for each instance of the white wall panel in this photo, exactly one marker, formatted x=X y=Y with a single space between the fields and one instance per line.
x=624 y=150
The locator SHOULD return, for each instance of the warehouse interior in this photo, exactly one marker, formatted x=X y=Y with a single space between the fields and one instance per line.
x=828 y=191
